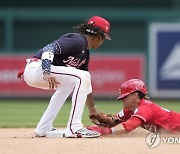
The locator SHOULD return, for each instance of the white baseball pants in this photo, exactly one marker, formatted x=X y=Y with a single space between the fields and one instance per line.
x=72 y=80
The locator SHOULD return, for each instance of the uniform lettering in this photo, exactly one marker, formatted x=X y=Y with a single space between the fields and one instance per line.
x=74 y=62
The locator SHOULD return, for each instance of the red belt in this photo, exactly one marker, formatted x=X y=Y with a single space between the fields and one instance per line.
x=33 y=60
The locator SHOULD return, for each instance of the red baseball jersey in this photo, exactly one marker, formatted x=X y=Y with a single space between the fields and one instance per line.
x=155 y=117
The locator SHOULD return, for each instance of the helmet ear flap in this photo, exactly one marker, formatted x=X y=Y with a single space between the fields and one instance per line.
x=140 y=94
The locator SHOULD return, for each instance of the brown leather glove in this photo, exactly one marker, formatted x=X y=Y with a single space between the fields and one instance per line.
x=105 y=120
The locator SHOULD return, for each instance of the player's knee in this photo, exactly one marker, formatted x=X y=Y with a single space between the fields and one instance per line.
x=85 y=81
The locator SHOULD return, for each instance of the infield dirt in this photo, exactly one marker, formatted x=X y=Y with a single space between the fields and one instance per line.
x=22 y=141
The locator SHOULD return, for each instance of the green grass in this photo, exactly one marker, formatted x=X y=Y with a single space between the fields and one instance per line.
x=27 y=113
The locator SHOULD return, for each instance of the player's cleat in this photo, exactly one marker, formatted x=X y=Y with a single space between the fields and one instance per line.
x=53 y=129
x=85 y=133
x=38 y=135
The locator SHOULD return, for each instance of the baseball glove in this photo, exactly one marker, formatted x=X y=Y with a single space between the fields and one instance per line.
x=105 y=120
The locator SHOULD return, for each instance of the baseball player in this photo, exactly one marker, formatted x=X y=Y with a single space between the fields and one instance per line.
x=140 y=111
x=63 y=65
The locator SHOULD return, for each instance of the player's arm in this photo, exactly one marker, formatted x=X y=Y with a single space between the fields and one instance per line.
x=142 y=115
x=119 y=129
x=127 y=126
x=47 y=59
x=90 y=104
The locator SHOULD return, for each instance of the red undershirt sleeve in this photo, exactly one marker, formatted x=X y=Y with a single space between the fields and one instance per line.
x=132 y=123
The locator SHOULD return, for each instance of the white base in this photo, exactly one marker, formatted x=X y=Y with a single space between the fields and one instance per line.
x=55 y=134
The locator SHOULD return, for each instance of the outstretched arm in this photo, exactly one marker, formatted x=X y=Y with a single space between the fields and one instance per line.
x=119 y=129
x=90 y=104
x=127 y=126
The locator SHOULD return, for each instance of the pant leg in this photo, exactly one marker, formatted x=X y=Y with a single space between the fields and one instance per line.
x=82 y=88
x=56 y=102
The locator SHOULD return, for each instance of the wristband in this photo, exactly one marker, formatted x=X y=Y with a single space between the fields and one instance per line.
x=47 y=55
x=113 y=130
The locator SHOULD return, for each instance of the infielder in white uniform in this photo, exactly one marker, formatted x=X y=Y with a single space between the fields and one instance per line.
x=63 y=65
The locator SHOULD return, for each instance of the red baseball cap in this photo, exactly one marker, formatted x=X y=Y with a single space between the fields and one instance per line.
x=101 y=23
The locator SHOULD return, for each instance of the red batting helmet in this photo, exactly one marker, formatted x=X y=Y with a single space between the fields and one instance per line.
x=131 y=86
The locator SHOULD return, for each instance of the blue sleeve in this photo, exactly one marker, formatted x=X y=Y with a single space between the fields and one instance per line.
x=52 y=47
x=46 y=66
x=46 y=63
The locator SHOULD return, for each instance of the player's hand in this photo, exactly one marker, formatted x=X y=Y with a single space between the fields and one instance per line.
x=51 y=81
